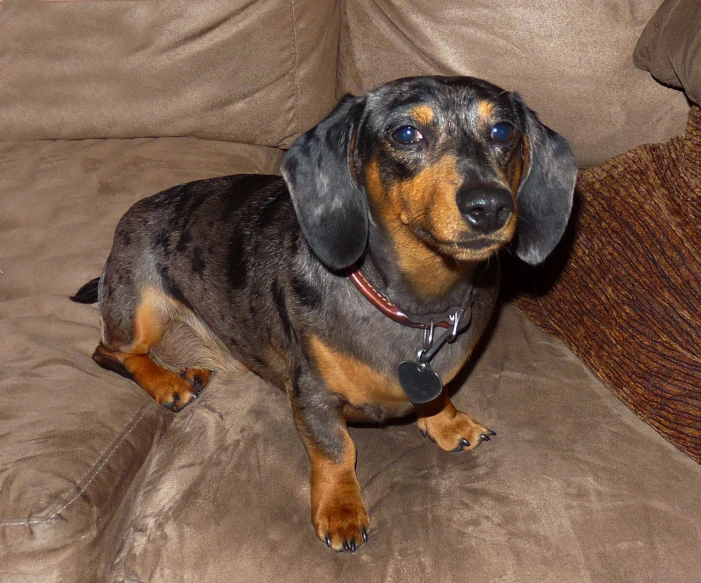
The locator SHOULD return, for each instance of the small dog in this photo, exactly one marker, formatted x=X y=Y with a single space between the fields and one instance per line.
x=359 y=282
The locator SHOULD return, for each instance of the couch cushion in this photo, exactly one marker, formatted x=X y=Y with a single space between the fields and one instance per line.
x=75 y=438
x=628 y=301
x=574 y=488
x=670 y=46
x=72 y=445
x=254 y=72
x=571 y=61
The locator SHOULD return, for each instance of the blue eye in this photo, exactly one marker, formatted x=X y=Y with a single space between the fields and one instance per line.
x=406 y=135
x=502 y=132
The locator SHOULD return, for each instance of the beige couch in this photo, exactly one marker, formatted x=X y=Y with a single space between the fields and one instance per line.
x=103 y=103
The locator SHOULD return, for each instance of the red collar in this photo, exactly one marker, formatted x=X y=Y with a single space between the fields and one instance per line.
x=393 y=312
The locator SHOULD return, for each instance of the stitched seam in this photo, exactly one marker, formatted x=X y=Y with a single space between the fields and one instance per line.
x=295 y=64
x=89 y=477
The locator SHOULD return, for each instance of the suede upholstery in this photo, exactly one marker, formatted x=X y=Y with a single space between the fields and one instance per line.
x=100 y=484
x=571 y=61
x=101 y=69
x=670 y=46
x=263 y=71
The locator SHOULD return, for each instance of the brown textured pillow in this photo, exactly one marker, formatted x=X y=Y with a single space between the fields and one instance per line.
x=670 y=46
x=628 y=301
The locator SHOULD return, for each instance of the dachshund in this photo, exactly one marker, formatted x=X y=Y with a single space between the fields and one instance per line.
x=359 y=281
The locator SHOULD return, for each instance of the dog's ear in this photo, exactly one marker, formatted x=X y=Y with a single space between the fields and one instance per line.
x=331 y=207
x=544 y=197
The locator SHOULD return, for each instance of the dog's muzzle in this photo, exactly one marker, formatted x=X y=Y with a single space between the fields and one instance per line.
x=485 y=208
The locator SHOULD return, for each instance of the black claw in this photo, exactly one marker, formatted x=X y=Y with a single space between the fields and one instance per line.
x=170 y=406
x=195 y=382
x=484 y=437
x=490 y=432
x=365 y=535
x=462 y=444
x=346 y=546
x=328 y=540
x=352 y=545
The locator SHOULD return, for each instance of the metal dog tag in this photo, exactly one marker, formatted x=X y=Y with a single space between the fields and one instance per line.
x=419 y=381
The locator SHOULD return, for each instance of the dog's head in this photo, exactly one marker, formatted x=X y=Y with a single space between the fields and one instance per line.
x=452 y=165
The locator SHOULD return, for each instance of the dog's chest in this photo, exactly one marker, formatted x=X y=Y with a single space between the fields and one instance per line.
x=353 y=379
x=374 y=382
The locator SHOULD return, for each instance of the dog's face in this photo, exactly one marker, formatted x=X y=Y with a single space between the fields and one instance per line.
x=443 y=167
x=455 y=166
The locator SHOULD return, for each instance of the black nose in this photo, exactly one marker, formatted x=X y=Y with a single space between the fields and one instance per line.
x=485 y=208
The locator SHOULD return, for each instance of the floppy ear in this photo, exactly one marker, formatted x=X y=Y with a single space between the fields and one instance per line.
x=331 y=207
x=544 y=197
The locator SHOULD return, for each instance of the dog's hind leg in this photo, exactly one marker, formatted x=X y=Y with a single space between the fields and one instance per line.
x=127 y=339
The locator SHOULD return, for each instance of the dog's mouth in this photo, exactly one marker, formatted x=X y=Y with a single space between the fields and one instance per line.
x=467 y=247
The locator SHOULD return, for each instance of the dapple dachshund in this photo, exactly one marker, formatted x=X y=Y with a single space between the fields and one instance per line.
x=358 y=282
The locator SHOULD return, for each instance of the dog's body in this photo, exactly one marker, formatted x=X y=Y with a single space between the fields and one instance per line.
x=417 y=185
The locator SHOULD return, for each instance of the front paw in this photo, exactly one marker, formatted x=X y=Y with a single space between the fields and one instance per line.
x=341 y=521
x=453 y=430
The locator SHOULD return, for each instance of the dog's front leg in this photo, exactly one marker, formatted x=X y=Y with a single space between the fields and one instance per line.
x=451 y=429
x=338 y=511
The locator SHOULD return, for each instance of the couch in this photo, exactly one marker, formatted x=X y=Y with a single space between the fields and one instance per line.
x=103 y=103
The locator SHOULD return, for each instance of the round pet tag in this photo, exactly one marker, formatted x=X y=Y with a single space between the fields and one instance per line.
x=419 y=382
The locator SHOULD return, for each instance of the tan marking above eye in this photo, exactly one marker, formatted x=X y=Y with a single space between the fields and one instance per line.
x=485 y=110
x=423 y=114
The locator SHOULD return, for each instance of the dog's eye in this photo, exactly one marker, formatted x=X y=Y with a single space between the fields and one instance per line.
x=502 y=132
x=406 y=135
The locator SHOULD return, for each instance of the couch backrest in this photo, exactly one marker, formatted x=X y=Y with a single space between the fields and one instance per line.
x=262 y=71
x=253 y=71
x=571 y=61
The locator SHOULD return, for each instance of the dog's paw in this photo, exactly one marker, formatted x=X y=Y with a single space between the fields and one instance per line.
x=177 y=391
x=198 y=378
x=454 y=431
x=342 y=523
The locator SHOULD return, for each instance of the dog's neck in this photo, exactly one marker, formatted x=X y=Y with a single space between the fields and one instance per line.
x=430 y=285
x=445 y=319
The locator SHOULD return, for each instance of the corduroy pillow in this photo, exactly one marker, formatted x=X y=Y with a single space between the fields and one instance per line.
x=670 y=46
x=628 y=300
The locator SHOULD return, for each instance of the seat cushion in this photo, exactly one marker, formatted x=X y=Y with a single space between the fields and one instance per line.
x=75 y=438
x=573 y=488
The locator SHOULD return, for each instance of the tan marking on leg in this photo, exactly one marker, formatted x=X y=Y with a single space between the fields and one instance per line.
x=338 y=511
x=150 y=321
x=451 y=429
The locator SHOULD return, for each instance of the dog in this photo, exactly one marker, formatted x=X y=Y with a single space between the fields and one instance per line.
x=359 y=281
